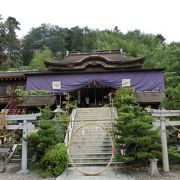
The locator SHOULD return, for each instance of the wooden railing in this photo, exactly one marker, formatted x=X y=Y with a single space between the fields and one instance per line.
x=5 y=99
x=8 y=104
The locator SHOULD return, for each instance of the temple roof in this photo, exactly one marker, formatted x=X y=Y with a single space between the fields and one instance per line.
x=11 y=74
x=151 y=97
x=38 y=101
x=98 y=61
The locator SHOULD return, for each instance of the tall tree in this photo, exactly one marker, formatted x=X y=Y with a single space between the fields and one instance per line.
x=38 y=58
x=89 y=39
x=47 y=35
x=9 y=43
x=172 y=91
x=75 y=39
x=170 y=58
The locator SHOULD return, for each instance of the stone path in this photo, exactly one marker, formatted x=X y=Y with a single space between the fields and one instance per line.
x=109 y=174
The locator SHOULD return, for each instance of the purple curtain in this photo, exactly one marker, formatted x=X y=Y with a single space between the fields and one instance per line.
x=140 y=81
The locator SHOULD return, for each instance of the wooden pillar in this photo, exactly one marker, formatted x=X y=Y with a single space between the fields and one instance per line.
x=60 y=98
x=79 y=97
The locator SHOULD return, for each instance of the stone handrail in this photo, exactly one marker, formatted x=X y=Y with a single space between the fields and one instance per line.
x=70 y=127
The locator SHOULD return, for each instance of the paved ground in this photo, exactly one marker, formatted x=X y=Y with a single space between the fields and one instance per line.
x=136 y=174
x=11 y=174
x=109 y=174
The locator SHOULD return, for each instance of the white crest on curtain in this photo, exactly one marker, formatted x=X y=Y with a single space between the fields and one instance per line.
x=56 y=85
x=126 y=82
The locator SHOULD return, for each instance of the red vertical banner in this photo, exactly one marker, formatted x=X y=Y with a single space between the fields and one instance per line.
x=113 y=151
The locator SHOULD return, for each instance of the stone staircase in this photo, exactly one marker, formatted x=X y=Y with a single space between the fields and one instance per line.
x=90 y=144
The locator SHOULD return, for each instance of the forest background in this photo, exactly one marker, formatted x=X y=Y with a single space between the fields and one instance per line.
x=51 y=41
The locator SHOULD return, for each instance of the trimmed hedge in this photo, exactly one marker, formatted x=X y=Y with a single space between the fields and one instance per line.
x=55 y=160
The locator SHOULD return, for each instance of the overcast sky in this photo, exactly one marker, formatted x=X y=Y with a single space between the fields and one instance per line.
x=149 y=16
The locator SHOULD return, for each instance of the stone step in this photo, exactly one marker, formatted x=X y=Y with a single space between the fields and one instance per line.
x=101 y=118
x=85 y=148
x=89 y=141
x=95 y=108
x=17 y=160
x=106 y=111
x=95 y=153
x=89 y=127
x=104 y=115
x=93 y=118
x=89 y=137
x=83 y=137
x=92 y=130
x=94 y=112
x=92 y=154
x=90 y=158
x=95 y=128
x=92 y=133
x=92 y=161
x=91 y=145
x=95 y=164
x=78 y=142
x=89 y=164
x=95 y=145
x=2 y=166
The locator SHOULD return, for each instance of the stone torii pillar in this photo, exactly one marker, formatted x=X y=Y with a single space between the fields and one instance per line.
x=165 y=157
x=24 y=149
x=163 y=122
x=25 y=126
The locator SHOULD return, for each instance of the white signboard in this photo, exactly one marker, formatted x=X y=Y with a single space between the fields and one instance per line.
x=126 y=82
x=56 y=85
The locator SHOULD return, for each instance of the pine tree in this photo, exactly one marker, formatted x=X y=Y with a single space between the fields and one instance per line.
x=135 y=140
x=47 y=136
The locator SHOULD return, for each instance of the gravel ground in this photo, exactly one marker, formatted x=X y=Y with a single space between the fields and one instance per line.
x=11 y=174
x=141 y=174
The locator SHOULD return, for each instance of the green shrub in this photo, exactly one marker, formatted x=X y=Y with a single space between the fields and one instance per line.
x=55 y=160
x=134 y=138
x=41 y=141
x=172 y=99
x=23 y=94
x=49 y=134
x=174 y=153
